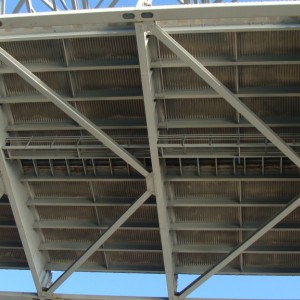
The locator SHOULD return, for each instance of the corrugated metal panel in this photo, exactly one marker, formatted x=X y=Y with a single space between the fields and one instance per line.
x=269 y=43
x=60 y=189
x=279 y=238
x=172 y=78
x=197 y=108
x=204 y=189
x=142 y=215
x=66 y=213
x=207 y=237
x=130 y=109
x=119 y=189
x=198 y=131
x=9 y=235
x=258 y=214
x=204 y=259
x=95 y=110
x=135 y=258
x=70 y=256
x=16 y=256
x=269 y=76
x=106 y=79
x=273 y=260
x=40 y=51
x=202 y=45
x=15 y=85
x=102 y=49
x=37 y=112
x=262 y=214
x=207 y=214
x=71 y=235
x=135 y=236
x=275 y=190
x=6 y=213
x=274 y=107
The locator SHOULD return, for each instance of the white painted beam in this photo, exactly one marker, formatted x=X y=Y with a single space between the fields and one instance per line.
x=160 y=13
x=161 y=198
x=18 y=195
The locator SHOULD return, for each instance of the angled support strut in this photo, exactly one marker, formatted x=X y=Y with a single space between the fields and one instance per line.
x=291 y=206
x=224 y=92
x=104 y=237
x=68 y=109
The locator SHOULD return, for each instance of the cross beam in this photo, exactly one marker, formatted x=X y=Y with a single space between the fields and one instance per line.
x=224 y=92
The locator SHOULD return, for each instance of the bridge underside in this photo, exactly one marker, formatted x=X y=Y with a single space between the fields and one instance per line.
x=150 y=140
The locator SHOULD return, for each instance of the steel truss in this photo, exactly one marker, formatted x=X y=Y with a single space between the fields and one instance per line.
x=158 y=22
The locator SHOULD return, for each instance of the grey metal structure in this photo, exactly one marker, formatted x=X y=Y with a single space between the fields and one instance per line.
x=149 y=139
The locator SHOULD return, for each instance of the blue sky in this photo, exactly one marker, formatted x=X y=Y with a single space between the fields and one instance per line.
x=255 y=287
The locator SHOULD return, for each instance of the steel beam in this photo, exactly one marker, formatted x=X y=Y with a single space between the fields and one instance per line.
x=290 y=207
x=23 y=216
x=118 y=247
x=62 y=32
x=176 y=202
x=85 y=201
x=120 y=64
x=190 y=248
x=159 y=13
x=54 y=224
x=71 y=111
x=161 y=198
x=34 y=296
x=224 y=92
x=136 y=94
x=92 y=248
x=132 y=124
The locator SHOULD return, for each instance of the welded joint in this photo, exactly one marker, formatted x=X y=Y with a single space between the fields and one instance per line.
x=150 y=183
x=46 y=281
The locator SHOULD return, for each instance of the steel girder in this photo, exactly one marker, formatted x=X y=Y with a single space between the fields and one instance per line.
x=151 y=117
x=23 y=215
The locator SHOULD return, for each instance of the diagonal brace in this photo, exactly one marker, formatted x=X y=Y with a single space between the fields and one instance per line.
x=104 y=237
x=273 y=221
x=224 y=92
x=71 y=111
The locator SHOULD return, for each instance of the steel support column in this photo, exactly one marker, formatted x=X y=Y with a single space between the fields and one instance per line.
x=71 y=111
x=224 y=92
x=151 y=118
x=291 y=206
x=18 y=197
x=104 y=237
